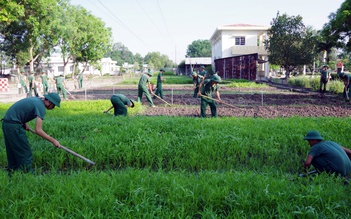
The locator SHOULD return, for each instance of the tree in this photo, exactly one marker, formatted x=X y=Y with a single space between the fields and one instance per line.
x=199 y=48
x=290 y=43
x=121 y=54
x=340 y=26
x=157 y=60
x=33 y=34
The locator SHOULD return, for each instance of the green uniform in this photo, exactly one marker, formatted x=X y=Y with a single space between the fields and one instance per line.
x=196 y=82
x=347 y=79
x=119 y=102
x=60 y=86
x=23 y=83
x=324 y=80
x=19 y=154
x=208 y=90
x=159 y=90
x=80 y=80
x=330 y=157
x=203 y=73
x=44 y=81
x=142 y=88
x=32 y=86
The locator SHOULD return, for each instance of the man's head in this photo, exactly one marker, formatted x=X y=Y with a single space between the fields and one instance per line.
x=162 y=70
x=313 y=137
x=194 y=74
x=53 y=99
x=202 y=67
x=131 y=104
x=325 y=66
x=216 y=78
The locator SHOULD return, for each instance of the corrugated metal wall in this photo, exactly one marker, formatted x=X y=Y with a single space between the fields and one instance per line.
x=240 y=67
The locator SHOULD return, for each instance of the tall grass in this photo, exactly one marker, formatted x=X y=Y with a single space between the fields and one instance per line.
x=173 y=167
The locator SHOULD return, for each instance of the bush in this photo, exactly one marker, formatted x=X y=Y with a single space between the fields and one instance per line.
x=336 y=86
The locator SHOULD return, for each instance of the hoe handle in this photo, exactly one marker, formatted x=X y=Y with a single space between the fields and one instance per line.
x=71 y=152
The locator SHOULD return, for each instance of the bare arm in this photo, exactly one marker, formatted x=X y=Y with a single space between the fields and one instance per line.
x=200 y=85
x=308 y=162
x=348 y=152
x=218 y=96
x=108 y=109
x=39 y=131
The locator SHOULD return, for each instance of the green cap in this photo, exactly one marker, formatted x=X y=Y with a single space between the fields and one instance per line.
x=54 y=98
x=32 y=72
x=162 y=69
x=313 y=135
x=194 y=73
x=202 y=66
x=216 y=78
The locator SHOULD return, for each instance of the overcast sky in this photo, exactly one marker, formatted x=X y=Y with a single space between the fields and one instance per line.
x=169 y=26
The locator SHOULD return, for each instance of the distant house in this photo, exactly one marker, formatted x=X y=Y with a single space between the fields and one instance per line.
x=192 y=64
x=54 y=66
x=230 y=42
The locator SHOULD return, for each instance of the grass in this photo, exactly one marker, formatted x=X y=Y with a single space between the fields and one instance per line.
x=173 y=167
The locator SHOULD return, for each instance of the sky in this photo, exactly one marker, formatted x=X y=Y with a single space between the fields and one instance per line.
x=169 y=26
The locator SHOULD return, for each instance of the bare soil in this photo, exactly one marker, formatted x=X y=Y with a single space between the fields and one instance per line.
x=264 y=103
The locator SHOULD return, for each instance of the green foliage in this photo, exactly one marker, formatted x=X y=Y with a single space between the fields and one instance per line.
x=288 y=33
x=334 y=86
x=162 y=167
x=199 y=48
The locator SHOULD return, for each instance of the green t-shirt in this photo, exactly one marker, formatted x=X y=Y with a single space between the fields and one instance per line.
x=59 y=80
x=159 y=81
x=123 y=98
x=324 y=74
x=144 y=79
x=26 y=110
x=331 y=153
x=207 y=89
x=44 y=79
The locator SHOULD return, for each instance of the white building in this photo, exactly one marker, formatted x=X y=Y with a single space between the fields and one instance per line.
x=55 y=66
x=241 y=39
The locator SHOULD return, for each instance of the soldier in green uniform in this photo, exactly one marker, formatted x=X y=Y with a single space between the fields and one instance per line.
x=144 y=87
x=120 y=103
x=32 y=85
x=80 y=80
x=347 y=91
x=160 y=79
x=325 y=76
x=60 y=86
x=327 y=156
x=196 y=82
x=203 y=72
x=14 y=124
x=44 y=82
x=22 y=81
x=207 y=88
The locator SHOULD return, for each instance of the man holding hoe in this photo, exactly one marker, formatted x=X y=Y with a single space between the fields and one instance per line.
x=120 y=103
x=206 y=89
x=14 y=124
x=143 y=88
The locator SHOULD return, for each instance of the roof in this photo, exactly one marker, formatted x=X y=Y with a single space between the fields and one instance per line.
x=242 y=27
x=198 y=61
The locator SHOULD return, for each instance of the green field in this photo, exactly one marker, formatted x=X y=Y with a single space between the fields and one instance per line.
x=173 y=167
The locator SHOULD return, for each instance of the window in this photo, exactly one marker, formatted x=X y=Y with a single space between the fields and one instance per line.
x=240 y=41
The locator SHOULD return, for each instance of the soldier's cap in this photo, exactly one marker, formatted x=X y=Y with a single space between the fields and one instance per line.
x=149 y=73
x=162 y=69
x=216 y=78
x=32 y=72
x=194 y=73
x=202 y=66
x=53 y=98
x=313 y=135
x=325 y=66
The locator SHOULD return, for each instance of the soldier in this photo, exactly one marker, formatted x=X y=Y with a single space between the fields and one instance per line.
x=60 y=86
x=325 y=76
x=327 y=156
x=144 y=86
x=32 y=85
x=14 y=124
x=206 y=89
x=120 y=103
x=196 y=82
x=203 y=72
x=347 y=91
x=160 y=79
x=80 y=80
x=22 y=81
x=44 y=82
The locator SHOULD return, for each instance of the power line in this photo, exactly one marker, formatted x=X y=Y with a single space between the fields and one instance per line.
x=164 y=21
x=123 y=25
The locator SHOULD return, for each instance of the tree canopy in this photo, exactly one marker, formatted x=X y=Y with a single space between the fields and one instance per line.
x=199 y=48
x=290 y=43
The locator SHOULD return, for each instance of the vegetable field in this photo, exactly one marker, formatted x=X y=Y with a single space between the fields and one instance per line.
x=166 y=162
